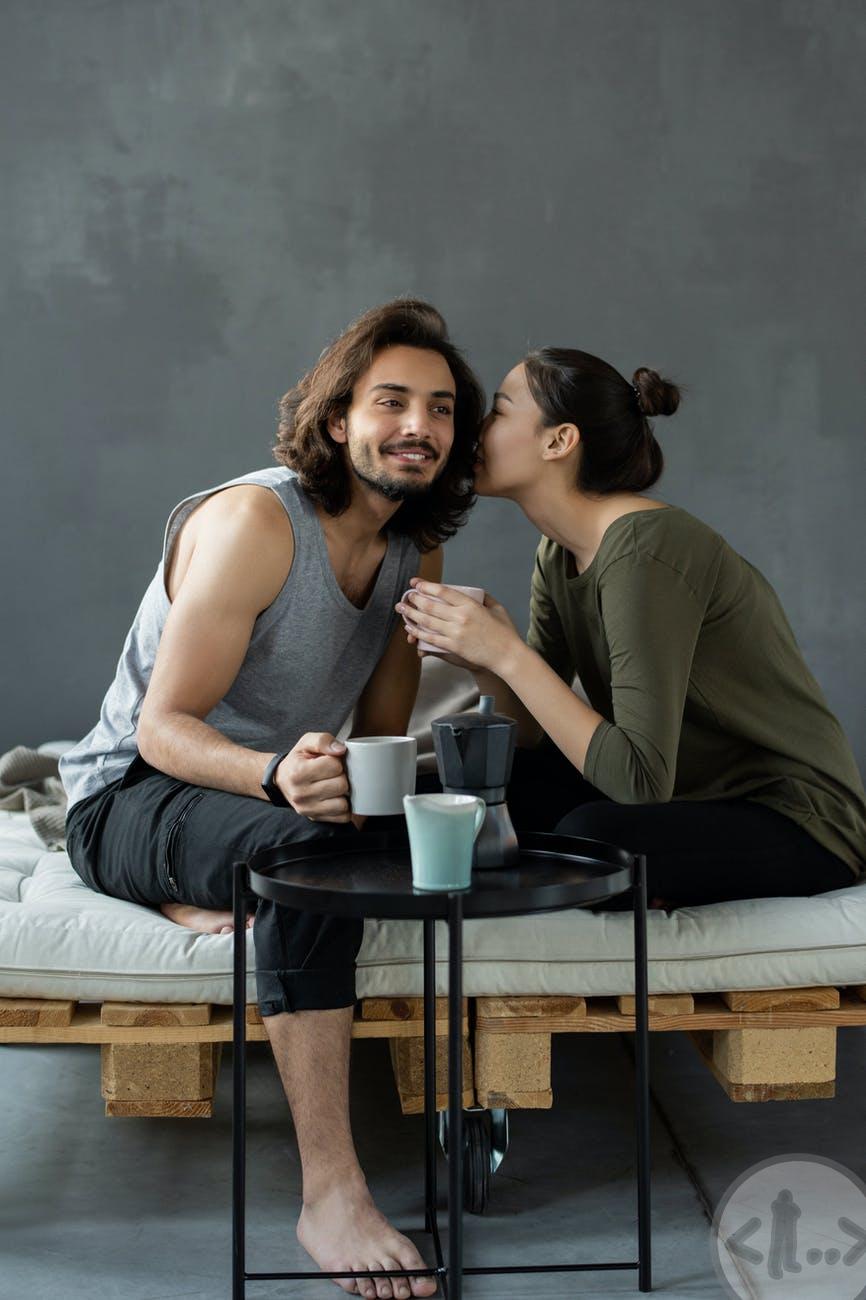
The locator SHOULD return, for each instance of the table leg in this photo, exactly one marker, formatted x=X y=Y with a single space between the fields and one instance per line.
x=239 y=1083
x=642 y=1076
x=455 y=1097
x=429 y=1074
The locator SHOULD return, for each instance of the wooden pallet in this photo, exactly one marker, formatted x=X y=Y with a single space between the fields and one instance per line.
x=761 y=1045
x=162 y=1059
x=407 y=1049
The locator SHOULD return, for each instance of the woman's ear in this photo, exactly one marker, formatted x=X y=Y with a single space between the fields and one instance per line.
x=559 y=441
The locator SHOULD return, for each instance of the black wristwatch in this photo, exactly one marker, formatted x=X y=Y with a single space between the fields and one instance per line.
x=269 y=782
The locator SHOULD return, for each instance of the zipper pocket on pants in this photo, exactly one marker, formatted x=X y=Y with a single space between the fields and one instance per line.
x=173 y=832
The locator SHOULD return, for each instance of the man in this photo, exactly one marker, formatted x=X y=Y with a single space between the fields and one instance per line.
x=269 y=620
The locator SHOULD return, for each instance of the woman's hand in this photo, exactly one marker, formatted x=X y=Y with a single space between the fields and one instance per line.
x=479 y=636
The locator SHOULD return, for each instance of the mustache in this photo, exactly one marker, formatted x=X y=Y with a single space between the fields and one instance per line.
x=412 y=446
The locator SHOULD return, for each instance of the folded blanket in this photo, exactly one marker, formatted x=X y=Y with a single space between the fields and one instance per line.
x=29 y=783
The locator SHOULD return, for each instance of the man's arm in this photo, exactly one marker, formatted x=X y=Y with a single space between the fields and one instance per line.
x=243 y=554
x=386 y=702
x=240 y=561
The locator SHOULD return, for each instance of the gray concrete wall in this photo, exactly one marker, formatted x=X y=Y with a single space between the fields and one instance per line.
x=198 y=195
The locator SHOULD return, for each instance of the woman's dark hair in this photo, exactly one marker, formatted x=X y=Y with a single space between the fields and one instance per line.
x=619 y=449
x=304 y=444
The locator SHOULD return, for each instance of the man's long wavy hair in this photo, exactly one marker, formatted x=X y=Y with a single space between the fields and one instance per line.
x=304 y=444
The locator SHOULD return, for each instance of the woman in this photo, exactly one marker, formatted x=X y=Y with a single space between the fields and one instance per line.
x=706 y=744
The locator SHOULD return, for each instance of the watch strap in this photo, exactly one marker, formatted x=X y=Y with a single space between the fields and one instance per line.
x=269 y=784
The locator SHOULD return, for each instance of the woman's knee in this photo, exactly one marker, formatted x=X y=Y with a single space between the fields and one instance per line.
x=599 y=820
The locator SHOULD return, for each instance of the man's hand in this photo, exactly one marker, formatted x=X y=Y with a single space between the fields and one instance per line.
x=313 y=778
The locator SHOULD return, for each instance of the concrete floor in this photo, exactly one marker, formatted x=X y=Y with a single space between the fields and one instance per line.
x=119 y=1209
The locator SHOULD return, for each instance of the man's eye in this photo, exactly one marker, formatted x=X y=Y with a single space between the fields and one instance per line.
x=495 y=412
x=446 y=410
x=387 y=401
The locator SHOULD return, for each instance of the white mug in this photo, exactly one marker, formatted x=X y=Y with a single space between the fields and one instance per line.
x=381 y=770
x=475 y=593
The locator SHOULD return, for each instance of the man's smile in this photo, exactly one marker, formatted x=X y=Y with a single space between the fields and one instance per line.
x=410 y=455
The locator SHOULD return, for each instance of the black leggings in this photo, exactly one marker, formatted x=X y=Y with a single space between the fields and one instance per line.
x=696 y=852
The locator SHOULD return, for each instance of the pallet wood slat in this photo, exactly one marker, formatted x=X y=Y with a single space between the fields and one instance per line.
x=402 y=1009
x=814 y=998
x=160 y=1109
x=659 y=1004
x=162 y=1013
x=546 y=1007
x=27 y=1012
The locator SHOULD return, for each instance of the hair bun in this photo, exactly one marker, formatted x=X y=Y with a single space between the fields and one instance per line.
x=657 y=396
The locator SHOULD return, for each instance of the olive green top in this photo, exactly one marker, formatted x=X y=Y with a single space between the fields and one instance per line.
x=684 y=649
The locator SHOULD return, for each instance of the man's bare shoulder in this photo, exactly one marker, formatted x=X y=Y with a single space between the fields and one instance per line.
x=256 y=501
x=242 y=531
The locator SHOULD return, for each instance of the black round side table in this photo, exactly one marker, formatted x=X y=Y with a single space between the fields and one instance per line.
x=369 y=874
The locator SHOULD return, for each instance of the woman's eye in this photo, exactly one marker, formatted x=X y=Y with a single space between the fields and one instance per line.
x=389 y=401
x=444 y=410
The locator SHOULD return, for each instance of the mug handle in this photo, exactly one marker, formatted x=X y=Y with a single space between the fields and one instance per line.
x=480 y=814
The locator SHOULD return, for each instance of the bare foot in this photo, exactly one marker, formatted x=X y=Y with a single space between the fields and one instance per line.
x=344 y=1230
x=202 y=919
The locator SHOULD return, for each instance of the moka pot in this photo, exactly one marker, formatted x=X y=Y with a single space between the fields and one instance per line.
x=474 y=754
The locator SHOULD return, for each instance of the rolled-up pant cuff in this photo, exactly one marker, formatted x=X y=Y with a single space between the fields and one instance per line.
x=304 y=990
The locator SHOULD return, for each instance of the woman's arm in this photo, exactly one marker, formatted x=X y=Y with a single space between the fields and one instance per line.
x=554 y=707
x=529 y=733
x=525 y=687
x=652 y=620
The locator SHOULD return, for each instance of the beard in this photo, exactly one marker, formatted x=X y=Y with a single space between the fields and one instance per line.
x=399 y=485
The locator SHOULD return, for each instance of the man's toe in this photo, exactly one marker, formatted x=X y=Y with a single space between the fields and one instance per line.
x=399 y=1285
x=421 y=1286
x=384 y=1289
x=366 y=1285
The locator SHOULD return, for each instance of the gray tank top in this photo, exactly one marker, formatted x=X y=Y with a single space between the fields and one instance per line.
x=310 y=656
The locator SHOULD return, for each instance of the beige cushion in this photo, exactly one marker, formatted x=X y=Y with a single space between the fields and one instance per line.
x=60 y=939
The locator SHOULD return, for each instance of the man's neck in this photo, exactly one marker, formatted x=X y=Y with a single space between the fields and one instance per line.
x=363 y=522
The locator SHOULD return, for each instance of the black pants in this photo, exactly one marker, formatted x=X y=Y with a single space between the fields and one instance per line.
x=696 y=852
x=151 y=839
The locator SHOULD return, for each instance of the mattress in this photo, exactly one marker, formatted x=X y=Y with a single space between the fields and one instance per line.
x=60 y=939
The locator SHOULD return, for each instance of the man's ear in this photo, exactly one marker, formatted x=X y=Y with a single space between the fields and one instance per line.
x=336 y=426
x=559 y=442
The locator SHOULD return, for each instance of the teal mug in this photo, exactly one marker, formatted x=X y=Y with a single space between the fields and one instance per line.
x=442 y=832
